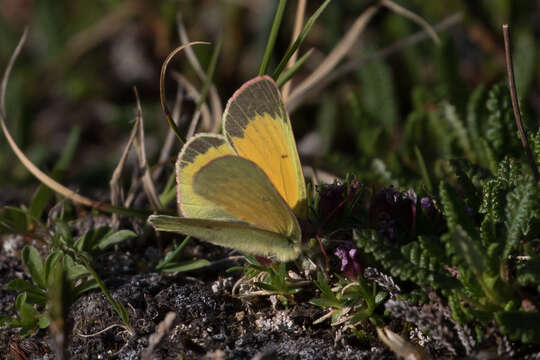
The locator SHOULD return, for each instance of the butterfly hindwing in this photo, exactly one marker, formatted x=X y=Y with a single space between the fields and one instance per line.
x=240 y=188
x=196 y=153
x=257 y=127
x=236 y=235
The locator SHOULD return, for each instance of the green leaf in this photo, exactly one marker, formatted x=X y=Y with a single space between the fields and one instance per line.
x=43 y=193
x=520 y=325
x=84 y=287
x=380 y=297
x=114 y=238
x=73 y=269
x=529 y=272
x=289 y=73
x=524 y=61
x=13 y=220
x=184 y=266
x=43 y=321
x=91 y=239
x=326 y=302
x=523 y=206
x=378 y=96
x=64 y=233
x=468 y=250
x=172 y=255
x=51 y=261
x=32 y=262
x=34 y=293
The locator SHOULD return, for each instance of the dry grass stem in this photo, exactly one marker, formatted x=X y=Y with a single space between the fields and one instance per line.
x=298 y=23
x=148 y=183
x=33 y=169
x=215 y=100
x=299 y=94
x=400 y=346
x=169 y=139
x=398 y=46
x=106 y=27
x=117 y=193
x=162 y=330
x=398 y=9
x=195 y=95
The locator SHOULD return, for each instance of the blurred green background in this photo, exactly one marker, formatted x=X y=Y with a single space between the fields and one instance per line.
x=82 y=59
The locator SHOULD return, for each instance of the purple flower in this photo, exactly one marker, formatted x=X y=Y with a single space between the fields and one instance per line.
x=431 y=217
x=263 y=260
x=350 y=262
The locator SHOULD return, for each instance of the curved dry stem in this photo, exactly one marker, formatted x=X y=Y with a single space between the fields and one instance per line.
x=414 y=17
x=33 y=169
x=342 y=48
x=44 y=178
x=162 y=96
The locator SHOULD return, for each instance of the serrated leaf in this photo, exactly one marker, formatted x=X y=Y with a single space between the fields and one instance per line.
x=380 y=297
x=529 y=273
x=520 y=325
x=522 y=207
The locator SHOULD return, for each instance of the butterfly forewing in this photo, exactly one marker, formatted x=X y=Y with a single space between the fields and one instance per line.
x=258 y=128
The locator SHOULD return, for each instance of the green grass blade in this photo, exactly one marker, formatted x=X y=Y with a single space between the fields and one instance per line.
x=210 y=73
x=301 y=37
x=43 y=193
x=289 y=73
x=423 y=169
x=272 y=38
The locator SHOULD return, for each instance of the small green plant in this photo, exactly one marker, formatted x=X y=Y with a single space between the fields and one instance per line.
x=171 y=262
x=68 y=256
x=350 y=301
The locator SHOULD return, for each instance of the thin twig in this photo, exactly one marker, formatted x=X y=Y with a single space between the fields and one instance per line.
x=298 y=23
x=328 y=64
x=515 y=104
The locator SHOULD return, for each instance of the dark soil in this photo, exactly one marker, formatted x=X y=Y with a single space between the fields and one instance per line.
x=210 y=322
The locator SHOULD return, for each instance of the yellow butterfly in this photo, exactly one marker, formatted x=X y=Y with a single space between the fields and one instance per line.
x=244 y=189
